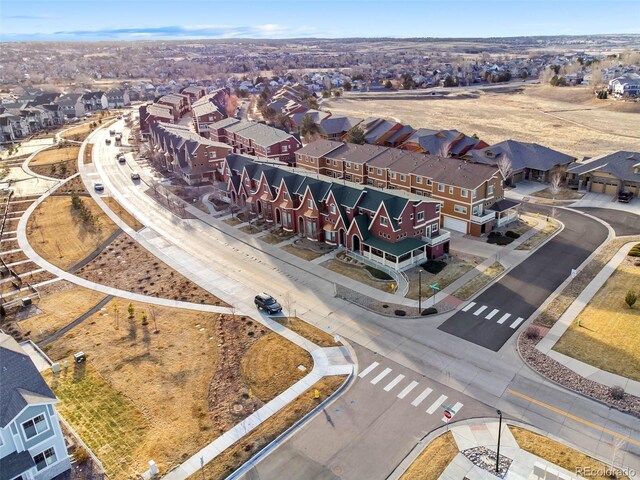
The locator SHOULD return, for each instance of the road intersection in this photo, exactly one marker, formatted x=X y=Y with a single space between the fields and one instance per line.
x=486 y=372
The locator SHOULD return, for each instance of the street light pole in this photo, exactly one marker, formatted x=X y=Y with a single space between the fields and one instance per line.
x=499 y=432
x=420 y=291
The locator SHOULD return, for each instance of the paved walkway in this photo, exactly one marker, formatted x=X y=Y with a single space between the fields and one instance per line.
x=569 y=316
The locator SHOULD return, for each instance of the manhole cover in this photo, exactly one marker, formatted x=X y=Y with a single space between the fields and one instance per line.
x=237 y=408
x=337 y=470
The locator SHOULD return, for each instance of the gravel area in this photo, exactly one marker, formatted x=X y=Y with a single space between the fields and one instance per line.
x=486 y=459
x=566 y=377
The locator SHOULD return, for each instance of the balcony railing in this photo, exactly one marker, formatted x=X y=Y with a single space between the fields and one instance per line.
x=487 y=217
x=437 y=238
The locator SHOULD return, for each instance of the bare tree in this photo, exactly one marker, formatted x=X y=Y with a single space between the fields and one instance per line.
x=555 y=183
x=506 y=168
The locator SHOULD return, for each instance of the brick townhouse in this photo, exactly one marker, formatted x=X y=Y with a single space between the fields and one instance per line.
x=179 y=104
x=152 y=114
x=395 y=229
x=205 y=112
x=255 y=139
x=194 y=158
x=468 y=191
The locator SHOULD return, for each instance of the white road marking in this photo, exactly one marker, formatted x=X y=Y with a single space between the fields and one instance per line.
x=468 y=307
x=492 y=314
x=434 y=406
x=421 y=397
x=454 y=410
x=517 y=322
x=364 y=372
x=381 y=375
x=407 y=389
x=393 y=383
x=480 y=310
x=504 y=318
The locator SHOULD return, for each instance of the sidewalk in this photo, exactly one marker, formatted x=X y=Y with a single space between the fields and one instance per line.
x=568 y=317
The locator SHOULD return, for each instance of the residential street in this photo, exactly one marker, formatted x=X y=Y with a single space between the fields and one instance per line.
x=416 y=348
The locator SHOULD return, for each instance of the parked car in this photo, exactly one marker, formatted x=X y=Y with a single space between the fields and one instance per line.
x=267 y=303
x=122 y=160
x=112 y=132
x=107 y=141
x=625 y=197
x=98 y=187
x=135 y=176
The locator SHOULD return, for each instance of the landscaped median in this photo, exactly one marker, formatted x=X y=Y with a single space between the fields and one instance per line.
x=57 y=161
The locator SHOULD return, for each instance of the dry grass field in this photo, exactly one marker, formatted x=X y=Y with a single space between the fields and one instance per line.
x=56 y=232
x=55 y=155
x=609 y=335
x=568 y=119
x=482 y=280
x=126 y=217
x=560 y=454
x=433 y=460
x=78 y=133
x=308 y=331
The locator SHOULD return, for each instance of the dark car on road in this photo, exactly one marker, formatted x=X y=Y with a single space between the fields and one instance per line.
x=267 y=303
x=625 y=197
x=135 y=176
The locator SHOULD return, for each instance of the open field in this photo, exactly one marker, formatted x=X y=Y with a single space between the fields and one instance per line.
x=241 y=451
x=166 y=388
x=125 y=264
x=609 y=335
x=119 y=210
x=560 y=454
x=433 y=460
x=56 y=232
x=567 y=119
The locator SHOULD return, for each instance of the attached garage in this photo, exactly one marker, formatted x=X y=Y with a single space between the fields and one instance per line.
x=455 y=224
x=597 y=186
x=633 y=188
x=611 y=188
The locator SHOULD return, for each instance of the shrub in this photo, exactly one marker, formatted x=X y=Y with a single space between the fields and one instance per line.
x=400 y=313
x=131 y=310
x=616 y=392
x=429 y=311
x=533 y=332
x=635 y=251
x=512 y=234
x=378 y=274
x=434 y=266
x=145 y=318
x=630 y=298
x=504 y=240
x=80 y=455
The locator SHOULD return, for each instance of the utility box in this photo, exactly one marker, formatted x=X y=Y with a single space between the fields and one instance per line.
x=26 y=301
x=80 y=357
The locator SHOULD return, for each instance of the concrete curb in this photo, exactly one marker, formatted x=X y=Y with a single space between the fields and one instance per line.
x=28 y=171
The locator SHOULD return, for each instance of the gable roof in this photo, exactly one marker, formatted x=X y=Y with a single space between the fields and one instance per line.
x=521 y=154
x=319 y=148
x=620 y=164
x=22 y=384
x=338 y=124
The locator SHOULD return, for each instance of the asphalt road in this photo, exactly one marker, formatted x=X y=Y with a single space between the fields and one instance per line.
x=496 y=314
x=368 y=430
x=623 y=223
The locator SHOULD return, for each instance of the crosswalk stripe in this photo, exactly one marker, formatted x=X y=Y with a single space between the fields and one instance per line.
x=366 y=371
x=492 y=314
x=434 y=406
x=381 y=375
x=421 y=397
x=407 y=389
x=480 y=310
x=468 y=307
x=517 y=322
x=504 y=318
x=393 y=383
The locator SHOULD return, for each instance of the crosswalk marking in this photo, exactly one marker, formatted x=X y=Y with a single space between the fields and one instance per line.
x=468 y=307
x=381 y=375
x=504 y=318
x=517 y=322
x=407 y=389
x=366 y=371
x=393 y=383
x=480 y=310
x=421 y=397
x=492 y=314
x=434 y=406
x=454 y=410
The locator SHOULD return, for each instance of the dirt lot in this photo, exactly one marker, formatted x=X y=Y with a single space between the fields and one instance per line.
x=164 y=393
x=609 y=335
x=56 y=232
x=433 y=460
x=126 y=217
x=570 y=120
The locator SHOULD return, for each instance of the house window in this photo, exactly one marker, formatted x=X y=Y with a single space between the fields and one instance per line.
x=392 y=175
x=429 y=181
x=464 y=192
x=475 y=210
x=440 y=187
x=264 y=189
x=420 y=216
x=450 y=190
x=383 y=221
x=490 y=190
x=335 y=162
x=434 y=228
x=212 y=155
x=34 y=426
x=348 y=164
x=402 y=178
x=44 y=459
x=460 y=209
x=473 y=194
x=310 y=203
x=399 y=220
x=333 y=209
x=285 y=196
x=379 y=171
x=438 y=207
x=419 y=179
x=411 y=217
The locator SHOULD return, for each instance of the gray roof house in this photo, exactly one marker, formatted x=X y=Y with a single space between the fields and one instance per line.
x=71 y=104
x=32 y=445
x=529 y=161
x=610 y=174
x=117 y=98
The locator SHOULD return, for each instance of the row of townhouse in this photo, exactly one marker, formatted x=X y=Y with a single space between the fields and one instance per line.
x=194 y=158
x=472 y=194
x=32 y=445
x=17 y=122
x=395 y=229
x=209 y=109
x=178 y=103
x=253 y=138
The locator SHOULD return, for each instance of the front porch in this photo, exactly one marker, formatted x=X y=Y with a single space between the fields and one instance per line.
x=397 y=256
x=506 y=211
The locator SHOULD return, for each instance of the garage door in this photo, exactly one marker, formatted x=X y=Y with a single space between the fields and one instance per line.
x=597 y=187
x=611 y=189
x=632 y=187
x=455 y=224
x=518 y=177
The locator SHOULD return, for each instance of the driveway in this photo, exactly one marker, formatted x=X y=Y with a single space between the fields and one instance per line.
x=602 y=201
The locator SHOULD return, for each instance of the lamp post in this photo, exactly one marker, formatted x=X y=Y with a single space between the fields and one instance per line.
x=419 y=291
x=499 y=431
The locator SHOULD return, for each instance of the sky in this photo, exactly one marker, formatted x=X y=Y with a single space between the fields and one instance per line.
x=99 y=20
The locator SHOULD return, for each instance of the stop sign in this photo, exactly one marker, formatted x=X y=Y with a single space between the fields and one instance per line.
x=447 y=414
